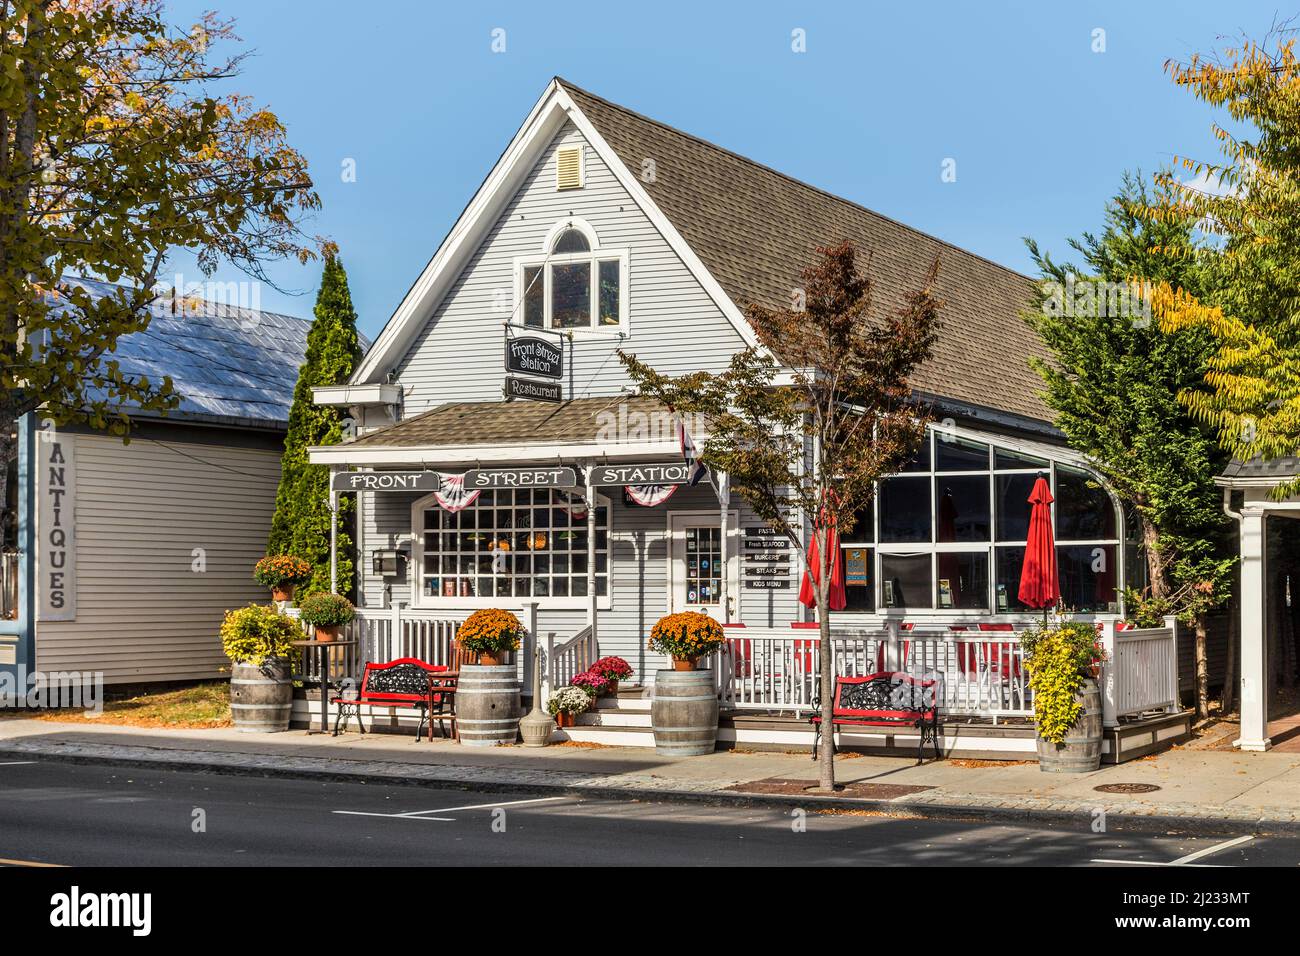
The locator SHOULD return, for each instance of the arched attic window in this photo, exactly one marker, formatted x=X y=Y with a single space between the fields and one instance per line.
x=576 y=284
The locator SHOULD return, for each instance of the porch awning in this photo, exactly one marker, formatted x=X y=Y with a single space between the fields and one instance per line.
x=613 y=427
x=1259 y=472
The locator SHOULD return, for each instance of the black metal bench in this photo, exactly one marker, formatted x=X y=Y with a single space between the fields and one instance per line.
x=405 y=682
x=884 y=699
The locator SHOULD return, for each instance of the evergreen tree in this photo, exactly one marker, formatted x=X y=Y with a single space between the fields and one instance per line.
x=1116 y=388
x=301 y=525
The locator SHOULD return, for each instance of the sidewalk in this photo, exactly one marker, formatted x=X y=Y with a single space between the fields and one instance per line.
x=1199 y=786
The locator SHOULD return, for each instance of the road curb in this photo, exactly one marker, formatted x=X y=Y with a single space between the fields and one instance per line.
x=900 y=807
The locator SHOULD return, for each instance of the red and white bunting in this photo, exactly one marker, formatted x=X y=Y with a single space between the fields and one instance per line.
x=649 y=495
x=452 y=495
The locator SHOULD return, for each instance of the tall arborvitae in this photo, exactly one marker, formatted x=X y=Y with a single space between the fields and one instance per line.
x=301 y=525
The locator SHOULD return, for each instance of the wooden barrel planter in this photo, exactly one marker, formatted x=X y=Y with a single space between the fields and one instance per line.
x=487 y=705
x=261 y=697
x=1081 y=750
x=684 y=713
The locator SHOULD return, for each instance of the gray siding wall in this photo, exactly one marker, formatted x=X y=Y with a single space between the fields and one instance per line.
x=673 y=324
x=143 y=613
x=639 y=539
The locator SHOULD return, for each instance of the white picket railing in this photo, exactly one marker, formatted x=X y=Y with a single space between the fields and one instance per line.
x=1145 y=666
x=568 y=658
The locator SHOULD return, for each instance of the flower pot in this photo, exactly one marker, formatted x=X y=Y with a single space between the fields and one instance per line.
x=565 y=720
x=1080 y=752
x=489 y=658
x=282 y=593
x=611 y=689
x=684 y=663
x=327 y=632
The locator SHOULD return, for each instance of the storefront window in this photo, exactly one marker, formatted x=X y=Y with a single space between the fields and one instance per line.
x=906 y=580
x=1083 y=509
x=1088 y=577
x=511 y=544
x=963 y=580
x=905 y=511
x=963 y=508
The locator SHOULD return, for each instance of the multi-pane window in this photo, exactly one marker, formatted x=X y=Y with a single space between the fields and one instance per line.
x=703 y=565
x=513 y=543
x=575 y=287
x=948 y=533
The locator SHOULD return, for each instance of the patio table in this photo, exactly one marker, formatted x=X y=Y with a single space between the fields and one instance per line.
x=324 y=679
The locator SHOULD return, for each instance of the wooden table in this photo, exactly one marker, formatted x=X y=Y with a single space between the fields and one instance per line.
x=324 y=679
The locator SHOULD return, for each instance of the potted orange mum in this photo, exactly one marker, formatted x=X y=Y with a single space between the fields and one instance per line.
x=686 y=637
x=490 y=633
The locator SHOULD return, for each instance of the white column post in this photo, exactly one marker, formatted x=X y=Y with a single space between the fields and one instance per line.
x=724 y=590
x=1254 y=637
x=1171 y=622
x=333 y=504
x=1108 y=674
x=894 y=627
x=591 y=564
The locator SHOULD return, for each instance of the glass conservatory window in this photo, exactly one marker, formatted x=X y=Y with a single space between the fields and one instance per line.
x=513 y=543
x=948 y=533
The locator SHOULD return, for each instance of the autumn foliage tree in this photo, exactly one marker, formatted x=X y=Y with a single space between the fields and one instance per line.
x=807 y=424
x=115 y=152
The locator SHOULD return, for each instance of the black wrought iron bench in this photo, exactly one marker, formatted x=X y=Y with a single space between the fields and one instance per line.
x=884 y=699
x=405 y=682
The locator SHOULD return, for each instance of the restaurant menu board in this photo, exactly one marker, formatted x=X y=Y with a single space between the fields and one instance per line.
x=765 y=559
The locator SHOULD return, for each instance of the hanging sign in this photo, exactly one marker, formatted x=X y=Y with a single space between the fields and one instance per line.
x=672 y=473
x=765 y=542
x=767 y=557
x=528 y=355
x=767 y=584
x=56 y=527
x=768 y=571
x=386 y=481
x=558 y=477
x=551 y=392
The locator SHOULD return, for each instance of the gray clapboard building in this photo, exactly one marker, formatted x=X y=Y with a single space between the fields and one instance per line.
x=134 y=551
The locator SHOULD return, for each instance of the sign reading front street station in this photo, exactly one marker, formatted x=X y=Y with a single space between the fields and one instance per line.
x=533 y=356
x=386 y=481
x=556 y=477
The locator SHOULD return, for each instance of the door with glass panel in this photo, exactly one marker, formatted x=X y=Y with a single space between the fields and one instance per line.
x=699 y=562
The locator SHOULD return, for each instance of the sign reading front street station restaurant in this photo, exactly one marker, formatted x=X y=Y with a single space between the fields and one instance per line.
x=555 y=477
x=669 y=474
x=533 y=356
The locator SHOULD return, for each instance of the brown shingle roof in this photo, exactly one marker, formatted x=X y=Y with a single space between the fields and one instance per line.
x=756 y=229
x=492 y=423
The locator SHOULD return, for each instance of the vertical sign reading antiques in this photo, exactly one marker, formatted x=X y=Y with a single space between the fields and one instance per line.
x=56 y=560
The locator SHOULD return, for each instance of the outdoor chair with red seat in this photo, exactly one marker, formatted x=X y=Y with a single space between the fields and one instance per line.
x=405 y=682
x=883 y=699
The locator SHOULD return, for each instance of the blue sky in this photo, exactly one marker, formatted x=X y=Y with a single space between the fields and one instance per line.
x=1040 y=126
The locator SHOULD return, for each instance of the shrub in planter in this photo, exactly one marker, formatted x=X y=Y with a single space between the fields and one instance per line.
x=489 y=633
x=613 y=669
x=282 y=573
x=327 y=613
x=1062 y=660
x=592 y=683
x=567 y=703
x=686 y=637
x=259 y=642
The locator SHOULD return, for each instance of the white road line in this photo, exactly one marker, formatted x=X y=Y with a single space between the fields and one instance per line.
x=1188 y=860
x=16 y=763
x=423 y=814
x=1184 y=860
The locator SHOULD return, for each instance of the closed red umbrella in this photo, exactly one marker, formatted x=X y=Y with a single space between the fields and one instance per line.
x=1039 y=584
x=807 y=592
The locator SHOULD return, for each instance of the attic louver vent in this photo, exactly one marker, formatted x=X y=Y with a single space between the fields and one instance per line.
x=568 y=167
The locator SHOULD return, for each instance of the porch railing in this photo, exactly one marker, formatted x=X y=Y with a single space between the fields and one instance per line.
x=564 y=659
x=980 y=673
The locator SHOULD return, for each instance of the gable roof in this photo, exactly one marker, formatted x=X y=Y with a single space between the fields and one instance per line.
x=230 y=365
x=756 y=229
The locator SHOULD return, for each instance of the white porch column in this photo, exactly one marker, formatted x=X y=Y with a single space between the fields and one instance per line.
x=333 y=504
x=591 y=564
x=724 y=502
x=1254 y=638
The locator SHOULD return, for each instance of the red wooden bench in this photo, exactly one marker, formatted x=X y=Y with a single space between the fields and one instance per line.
x=884 y=699
x=401 y=683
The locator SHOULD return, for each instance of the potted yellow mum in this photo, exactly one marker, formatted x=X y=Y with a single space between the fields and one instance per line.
x=686 y=637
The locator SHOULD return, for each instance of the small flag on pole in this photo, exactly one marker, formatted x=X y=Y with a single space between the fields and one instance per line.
x=691 y=455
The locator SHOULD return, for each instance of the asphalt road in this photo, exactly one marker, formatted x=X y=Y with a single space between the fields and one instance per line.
x=81 y=815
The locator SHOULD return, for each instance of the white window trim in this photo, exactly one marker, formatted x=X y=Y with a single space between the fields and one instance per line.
x=437 y=601
x=546 y=259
